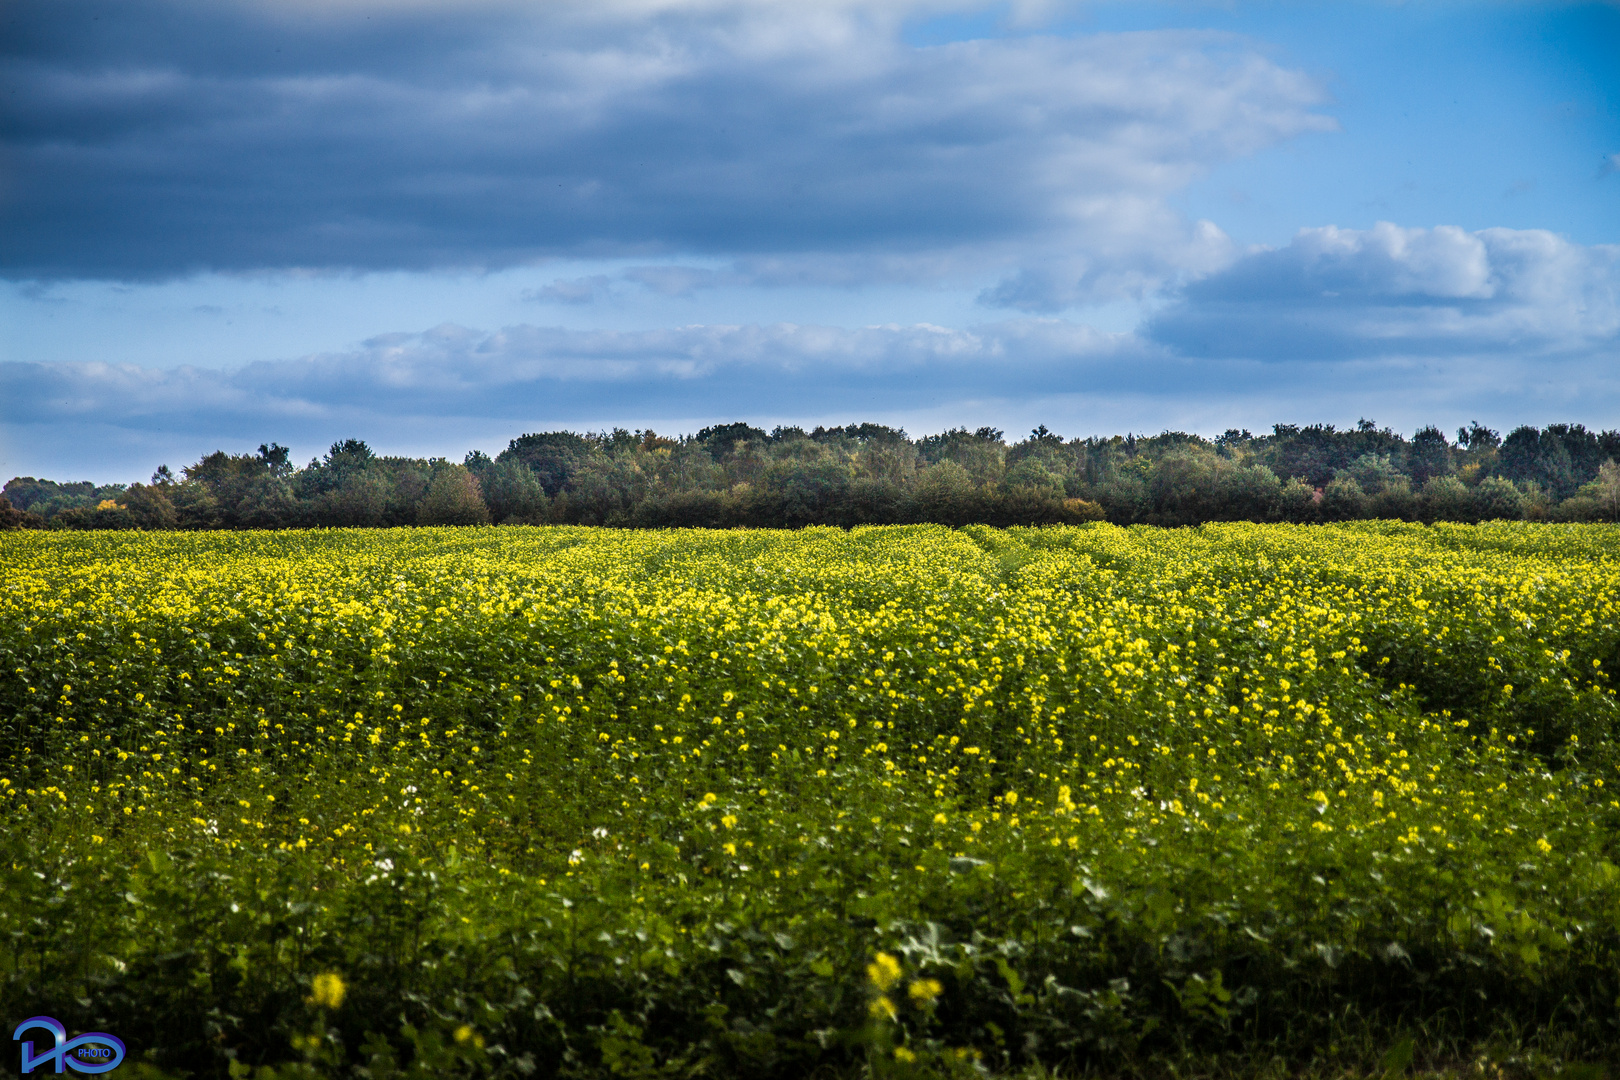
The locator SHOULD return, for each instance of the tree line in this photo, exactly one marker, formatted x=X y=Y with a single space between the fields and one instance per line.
x=735 y=474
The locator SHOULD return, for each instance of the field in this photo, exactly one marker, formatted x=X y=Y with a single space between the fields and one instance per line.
x=1247 y=800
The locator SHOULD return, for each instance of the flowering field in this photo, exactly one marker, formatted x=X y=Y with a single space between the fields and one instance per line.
x=907 y=801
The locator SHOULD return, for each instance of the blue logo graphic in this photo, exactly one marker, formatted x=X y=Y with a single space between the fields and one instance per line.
x=92 y=1052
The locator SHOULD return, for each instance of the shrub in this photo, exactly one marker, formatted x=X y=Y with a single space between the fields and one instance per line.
x=1343 y=500
x=1446 y=498
x=452 y=499
x=1497 y=499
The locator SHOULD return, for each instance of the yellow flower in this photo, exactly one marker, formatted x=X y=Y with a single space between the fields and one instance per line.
x=924 y=991
x=939 y=819
x=881 y=1009
x=1542 y=845
x=328 y=990
x=884 y=971
x=903 y=1054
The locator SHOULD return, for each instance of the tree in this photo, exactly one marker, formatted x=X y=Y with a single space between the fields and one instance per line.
x=553 y=456
x=944 y=493
x=1031 y=474
x=349 y=454
x=980 y=452
x=12 y=518
x=275 y=458
x=513 y=493
x=1373 y=472
x=722 y=439
x=452 y=499
x=1528 y=455
x=1429 y=455
x=359 y=500
x=1478 y=437
x=1496 y=499
x=1606 y=490
x=1343 y=500
x=150 y=508
x=248 y=490
x=1445 y=498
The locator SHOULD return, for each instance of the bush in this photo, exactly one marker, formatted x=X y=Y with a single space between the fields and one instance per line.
x=1578 y=508
x=513 y=493
x=689 y=510
x=452 y=499
x=12 y=518
x=1343 y=500
x=1497 y=499
x=944 y=493
x=1446 y=498
x=1396 y=501
x=1032 y=476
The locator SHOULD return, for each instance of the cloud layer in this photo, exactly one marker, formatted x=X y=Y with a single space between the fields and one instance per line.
x=524 y=372
x=158 y=137
x=1387 y=291
x=1413 y=326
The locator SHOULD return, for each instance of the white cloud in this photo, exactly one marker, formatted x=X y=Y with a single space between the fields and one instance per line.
x=443 y=390
x=455 y=371
x=1387 y=291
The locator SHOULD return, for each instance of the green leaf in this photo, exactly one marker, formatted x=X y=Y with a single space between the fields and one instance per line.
x=1398 y=1058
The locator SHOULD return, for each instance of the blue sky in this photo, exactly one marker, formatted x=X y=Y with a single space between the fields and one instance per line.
x=435 y=226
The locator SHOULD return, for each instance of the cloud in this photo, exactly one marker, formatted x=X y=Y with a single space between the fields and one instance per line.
x=1387 y=291
x=417 y=392
x=581 y=290
x=152 y=138
x=524 y=371
x=439 y=391
x=1122 y=270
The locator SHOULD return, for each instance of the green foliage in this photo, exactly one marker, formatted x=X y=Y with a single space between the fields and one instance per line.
x=738 y=475
x=452 y=498
x=1496 y=499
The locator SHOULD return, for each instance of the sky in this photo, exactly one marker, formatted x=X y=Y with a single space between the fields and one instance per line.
x=436 y=226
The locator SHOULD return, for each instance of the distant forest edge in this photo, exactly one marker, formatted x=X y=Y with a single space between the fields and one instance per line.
x=738 y=475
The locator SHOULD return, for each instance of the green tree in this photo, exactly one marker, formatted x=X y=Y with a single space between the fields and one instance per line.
x=1032 y=474
x=452 y=498
x=554 y=456
x=1445 y=498
x=1428 y=455
x=513 y=493
x=149 y=507
x=1344 y=500
x=944 y=493
x=1496 y=499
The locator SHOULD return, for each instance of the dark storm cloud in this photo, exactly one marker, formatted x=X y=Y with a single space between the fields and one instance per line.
x=148 y=138
x=1387 y=291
